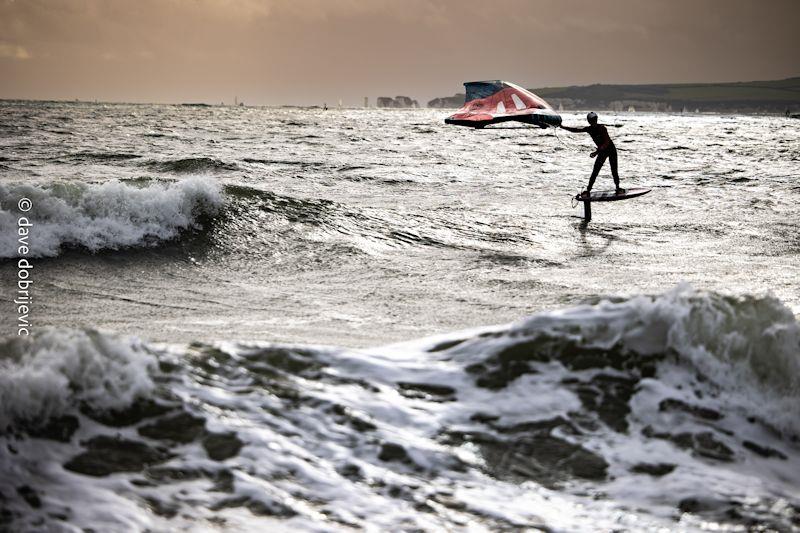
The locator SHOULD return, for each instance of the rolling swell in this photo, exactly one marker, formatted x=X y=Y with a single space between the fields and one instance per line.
x=99 y=157
x=106 y=216
x=626 y=407
x=254 y=218
x=192 y=165
x=293 y=209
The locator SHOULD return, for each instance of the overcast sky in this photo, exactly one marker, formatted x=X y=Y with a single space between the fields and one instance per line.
x=313 y=51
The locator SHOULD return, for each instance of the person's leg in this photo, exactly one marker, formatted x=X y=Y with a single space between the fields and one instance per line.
x=612 y=160
x=598 y=164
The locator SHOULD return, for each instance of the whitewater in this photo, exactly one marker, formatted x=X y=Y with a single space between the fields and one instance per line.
x=274 y=319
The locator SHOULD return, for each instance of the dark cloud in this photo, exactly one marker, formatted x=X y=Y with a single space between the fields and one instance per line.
x=309 y=51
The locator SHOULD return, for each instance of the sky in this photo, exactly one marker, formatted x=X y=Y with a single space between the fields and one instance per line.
x=306 y=52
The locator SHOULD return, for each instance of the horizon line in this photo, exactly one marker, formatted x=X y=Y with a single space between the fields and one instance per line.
x=239 y=103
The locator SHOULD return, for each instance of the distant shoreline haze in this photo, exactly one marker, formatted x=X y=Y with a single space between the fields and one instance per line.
x=766 y=96
x=772 y=96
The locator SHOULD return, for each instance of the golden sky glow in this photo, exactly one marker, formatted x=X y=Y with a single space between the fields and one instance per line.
x=310 y=51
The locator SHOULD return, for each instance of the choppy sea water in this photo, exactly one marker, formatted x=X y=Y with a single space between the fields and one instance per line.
x=218 y=291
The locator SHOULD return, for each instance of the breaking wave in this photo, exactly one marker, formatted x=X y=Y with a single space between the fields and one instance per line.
x=677 y=411
x=110 y=215
x=735 y=342
x=57 y=370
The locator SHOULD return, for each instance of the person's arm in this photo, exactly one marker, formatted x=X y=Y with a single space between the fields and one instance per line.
x=573 y=130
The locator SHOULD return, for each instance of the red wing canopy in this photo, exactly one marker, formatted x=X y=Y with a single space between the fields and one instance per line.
x=490 y=102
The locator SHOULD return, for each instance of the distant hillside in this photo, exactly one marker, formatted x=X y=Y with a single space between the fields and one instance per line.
x=742 y=97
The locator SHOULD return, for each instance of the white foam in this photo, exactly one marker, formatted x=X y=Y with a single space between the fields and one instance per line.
x=108 y=215
x=749 y=345
x=55 y=370
x=293 y=452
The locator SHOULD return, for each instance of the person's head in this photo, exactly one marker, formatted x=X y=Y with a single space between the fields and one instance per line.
x=592 y=118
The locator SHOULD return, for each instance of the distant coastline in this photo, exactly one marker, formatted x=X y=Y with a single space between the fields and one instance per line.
x=754 y=97
x=775 y=96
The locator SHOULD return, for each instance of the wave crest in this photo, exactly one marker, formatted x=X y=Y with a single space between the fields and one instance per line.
x=755 y=337
x=110 y=215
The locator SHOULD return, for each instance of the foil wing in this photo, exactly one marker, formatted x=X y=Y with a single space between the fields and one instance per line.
x=491 y=102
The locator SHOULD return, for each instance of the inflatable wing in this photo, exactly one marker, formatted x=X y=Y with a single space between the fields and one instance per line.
x=490 y=102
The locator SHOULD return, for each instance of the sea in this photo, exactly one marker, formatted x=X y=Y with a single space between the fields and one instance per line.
x=297 y=319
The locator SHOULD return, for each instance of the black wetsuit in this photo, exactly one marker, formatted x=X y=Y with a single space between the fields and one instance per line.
x=605 y=150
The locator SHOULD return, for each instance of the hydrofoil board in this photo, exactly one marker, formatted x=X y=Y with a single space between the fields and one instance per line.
x=611 y=196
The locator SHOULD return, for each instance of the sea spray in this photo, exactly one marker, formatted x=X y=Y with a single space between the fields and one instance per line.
x=109 y=215
x=743 y=343
x=54 y=371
